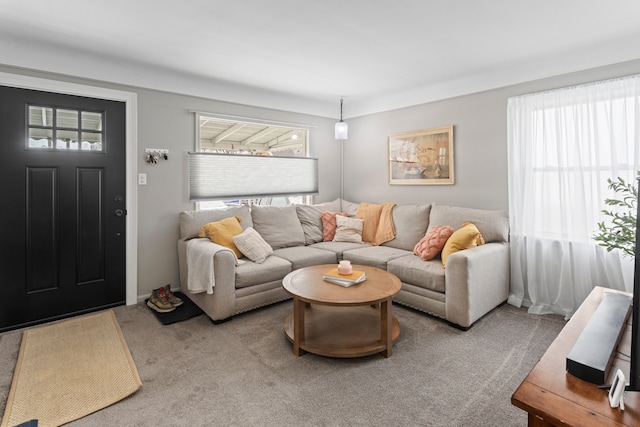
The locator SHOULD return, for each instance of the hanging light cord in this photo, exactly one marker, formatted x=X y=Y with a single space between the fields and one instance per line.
x=341 y=109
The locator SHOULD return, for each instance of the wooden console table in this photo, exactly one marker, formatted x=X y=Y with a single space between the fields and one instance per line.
x=553 y=397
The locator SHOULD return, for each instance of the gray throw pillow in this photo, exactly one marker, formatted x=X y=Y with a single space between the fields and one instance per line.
x=311 y=222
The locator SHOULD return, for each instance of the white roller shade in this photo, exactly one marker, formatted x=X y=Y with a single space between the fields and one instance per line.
x=215 y=176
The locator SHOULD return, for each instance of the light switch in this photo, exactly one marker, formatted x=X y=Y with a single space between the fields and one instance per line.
x=142 y=179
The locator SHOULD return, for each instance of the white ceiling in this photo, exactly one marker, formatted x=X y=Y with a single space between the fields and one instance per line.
x=303 y=55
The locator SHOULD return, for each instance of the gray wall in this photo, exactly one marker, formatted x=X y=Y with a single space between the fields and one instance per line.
x=480 y=144
x=165 y=121
x=480 y=150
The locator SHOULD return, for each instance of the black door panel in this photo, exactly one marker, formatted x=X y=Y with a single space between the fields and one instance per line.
x=63 y=248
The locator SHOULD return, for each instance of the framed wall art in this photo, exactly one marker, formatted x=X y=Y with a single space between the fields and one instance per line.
x=423 y=157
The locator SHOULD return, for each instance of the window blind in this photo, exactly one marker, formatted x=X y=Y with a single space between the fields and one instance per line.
x=214 y=176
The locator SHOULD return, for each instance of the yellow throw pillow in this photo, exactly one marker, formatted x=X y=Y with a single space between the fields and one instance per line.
x=466 y=237
x=223 y=231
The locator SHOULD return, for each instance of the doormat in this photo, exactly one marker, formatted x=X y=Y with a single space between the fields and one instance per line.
x=183 y=312
x=70 y=369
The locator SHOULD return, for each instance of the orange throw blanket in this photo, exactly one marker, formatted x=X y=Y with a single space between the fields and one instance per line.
x=377 y=227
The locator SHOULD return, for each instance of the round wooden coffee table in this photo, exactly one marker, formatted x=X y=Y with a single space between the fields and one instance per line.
x=334 y=321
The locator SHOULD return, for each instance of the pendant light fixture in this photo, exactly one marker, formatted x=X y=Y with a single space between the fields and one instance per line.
x=342 y=129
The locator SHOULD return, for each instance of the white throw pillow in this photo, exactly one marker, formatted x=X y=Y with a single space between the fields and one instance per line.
x=348 y=229
x=252 y=245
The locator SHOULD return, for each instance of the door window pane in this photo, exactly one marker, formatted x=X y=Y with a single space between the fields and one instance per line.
x=67 y=139
x=91 y=120
x=40 y=138
x=91 y=141
x=66 y=119
x=40 y=116
x=70 y=129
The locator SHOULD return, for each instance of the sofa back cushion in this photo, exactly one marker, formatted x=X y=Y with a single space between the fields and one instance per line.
x=410 y=222
x=332 y=206
x=192 y=221
x=278 y=225
x=350 y=208
x=492 y=224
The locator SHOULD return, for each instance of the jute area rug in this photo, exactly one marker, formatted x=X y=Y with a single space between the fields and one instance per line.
x=70 y=369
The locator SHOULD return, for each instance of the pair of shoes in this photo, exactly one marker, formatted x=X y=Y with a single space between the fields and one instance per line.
x=163 y=300
x=173 y=300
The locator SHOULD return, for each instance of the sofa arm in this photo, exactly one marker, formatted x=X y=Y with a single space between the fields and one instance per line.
x=476 y=281
x=221 y=304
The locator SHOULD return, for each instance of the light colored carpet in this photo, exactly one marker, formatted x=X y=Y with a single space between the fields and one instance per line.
x=243 y=373
x=70 y=369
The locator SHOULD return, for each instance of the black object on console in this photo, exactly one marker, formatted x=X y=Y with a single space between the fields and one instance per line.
x=591 y=356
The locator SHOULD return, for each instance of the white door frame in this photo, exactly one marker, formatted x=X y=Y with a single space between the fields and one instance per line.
x=131 y=100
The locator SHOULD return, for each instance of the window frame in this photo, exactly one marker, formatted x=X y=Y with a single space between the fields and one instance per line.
x=233 y=120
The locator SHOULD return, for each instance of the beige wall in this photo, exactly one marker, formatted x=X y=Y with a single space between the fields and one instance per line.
x=480 y=137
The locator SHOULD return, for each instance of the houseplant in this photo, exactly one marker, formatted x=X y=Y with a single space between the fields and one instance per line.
x=620 y=233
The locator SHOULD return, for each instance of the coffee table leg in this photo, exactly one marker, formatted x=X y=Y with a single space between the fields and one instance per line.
x=298 y=325
x=386 y=327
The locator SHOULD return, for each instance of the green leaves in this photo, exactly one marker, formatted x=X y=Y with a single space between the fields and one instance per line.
x=621 y=232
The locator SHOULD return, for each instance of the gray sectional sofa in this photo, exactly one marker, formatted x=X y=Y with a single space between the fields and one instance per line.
x=474 y=281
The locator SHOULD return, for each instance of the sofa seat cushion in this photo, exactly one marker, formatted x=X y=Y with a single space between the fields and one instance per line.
x=338 y=248
x=250 y=273
x=304 y=256
x=374 y=256
x=413 y=270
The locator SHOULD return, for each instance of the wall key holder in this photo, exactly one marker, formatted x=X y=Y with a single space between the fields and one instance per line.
x=152 y=155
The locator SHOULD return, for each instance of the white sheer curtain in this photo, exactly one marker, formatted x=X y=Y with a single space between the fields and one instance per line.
x=563 y=146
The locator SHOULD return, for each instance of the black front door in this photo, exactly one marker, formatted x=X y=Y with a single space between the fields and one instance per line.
x=62 y=162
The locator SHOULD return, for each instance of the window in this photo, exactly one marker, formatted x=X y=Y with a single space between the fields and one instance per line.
x=564 y=145
x=64 y=129
x=239 y=136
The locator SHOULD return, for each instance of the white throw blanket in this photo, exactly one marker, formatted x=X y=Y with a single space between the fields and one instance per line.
x=200 y=276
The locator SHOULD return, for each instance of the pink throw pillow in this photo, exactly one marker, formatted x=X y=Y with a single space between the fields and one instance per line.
x=431 y=244
x=329 y=224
